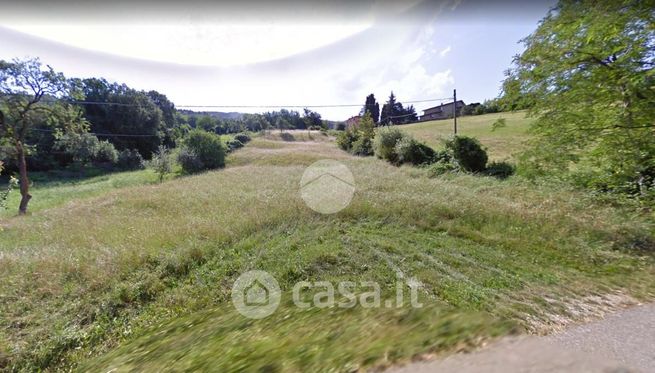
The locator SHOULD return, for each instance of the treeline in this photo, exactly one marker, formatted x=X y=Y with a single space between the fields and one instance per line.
x=392 y=112
x=281 y=120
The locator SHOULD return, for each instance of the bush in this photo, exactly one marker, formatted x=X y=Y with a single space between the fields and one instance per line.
x=346 y=139
x=441 y=167
x=105 y=152
x=500 y=170
x=408 y=150
x=468 y=153
x=130 y=159
x=242 y=137
x=85 y=148
x=161 y=162
x=233 y=144
x=384 y=145
x=202 y=151
x=362 y=147
x=189 y=161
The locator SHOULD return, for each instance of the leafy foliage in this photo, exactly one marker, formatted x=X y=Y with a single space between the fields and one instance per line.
x=393 y=112
x=587 y=73
x=372 y=107
x=468 y=153
x=130 y=159
x=358 y=139
x=86 y=148
x=161 y=162
x=31 y=95
x=203 y=151
x=242 y=137
x=233 y=144
x=385 y=143
x=13 y=182
x=409 y=150
x=500 y=170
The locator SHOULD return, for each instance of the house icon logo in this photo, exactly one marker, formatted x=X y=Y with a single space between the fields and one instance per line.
x=256 y=294
x=327 y=186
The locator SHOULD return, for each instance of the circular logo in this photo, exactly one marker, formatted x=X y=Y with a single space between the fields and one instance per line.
x=327 y=186
x=256 y=294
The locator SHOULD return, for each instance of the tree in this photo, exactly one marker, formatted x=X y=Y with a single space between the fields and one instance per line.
x=29 y=95
x=389 y=110
x=123 y=111
x=312 y=119
x=588 y=73
x=161 y=162
x=372 y=107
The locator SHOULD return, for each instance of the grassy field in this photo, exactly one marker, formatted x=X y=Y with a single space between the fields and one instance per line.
x=502 y=143
x=139 y=277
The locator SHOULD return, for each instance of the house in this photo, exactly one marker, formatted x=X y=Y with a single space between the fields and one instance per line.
x=443 y=111
x=353 y=121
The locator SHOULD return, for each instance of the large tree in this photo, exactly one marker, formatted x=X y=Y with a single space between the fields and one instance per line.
x=32 y=95
x=128 y=118
x=588 y=75
x=372 y=107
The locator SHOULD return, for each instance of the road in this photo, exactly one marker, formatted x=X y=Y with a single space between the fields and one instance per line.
x=621 y=342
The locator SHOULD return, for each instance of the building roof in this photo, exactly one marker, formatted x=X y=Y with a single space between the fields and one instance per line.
x=447 y=106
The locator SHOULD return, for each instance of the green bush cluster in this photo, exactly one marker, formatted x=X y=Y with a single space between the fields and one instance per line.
x=358 y=139
x=398 y=147
x=468 y=153
x=233 y=144
x=242 y=137
x=201 y=151
x=130 y=159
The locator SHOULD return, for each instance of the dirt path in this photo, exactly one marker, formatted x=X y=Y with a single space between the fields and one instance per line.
x=621 y=342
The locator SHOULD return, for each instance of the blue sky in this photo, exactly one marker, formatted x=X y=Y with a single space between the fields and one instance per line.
x=285 y=55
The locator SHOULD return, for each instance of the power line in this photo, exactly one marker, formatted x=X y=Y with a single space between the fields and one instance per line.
x=102 y=134
x=251 y=106
x=302 y=106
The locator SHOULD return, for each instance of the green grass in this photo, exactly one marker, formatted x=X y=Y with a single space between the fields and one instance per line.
x=56 y=188
x=139 y=278
x=502 y=144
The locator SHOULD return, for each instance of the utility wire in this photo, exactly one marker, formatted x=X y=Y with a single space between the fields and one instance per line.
x=251 y=106
x=101 y=134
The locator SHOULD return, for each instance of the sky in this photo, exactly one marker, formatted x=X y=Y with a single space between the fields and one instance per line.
x=295 y=53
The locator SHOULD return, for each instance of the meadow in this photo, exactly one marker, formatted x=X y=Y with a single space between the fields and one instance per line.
x=502 y=143
x=136 y=275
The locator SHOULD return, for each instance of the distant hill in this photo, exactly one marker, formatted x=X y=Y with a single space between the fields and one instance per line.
x=214 y=114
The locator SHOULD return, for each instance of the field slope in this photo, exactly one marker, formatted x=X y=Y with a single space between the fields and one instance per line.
x=139 y=278
x=502 y=143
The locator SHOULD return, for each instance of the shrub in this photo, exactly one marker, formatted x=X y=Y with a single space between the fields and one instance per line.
x=341 y=126
x=161 y=162
x=409 y=150
x=441 y=167
x=204 y=151
x=189 y=161
x=385 y=144
x=130 y=159
x=233 y=144
x=346 y=139
x=85 y=148
x=358 y=139
x=362 y=147
x=468 y=153
x=105 y=152
x=500 y=170
x=242 y=137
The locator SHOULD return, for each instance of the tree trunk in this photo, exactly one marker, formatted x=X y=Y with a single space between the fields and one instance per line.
x=24 y=181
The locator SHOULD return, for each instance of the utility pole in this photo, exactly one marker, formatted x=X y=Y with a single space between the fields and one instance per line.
x=455 y=111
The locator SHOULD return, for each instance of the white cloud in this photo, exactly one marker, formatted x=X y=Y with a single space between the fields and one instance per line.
x=444 y=51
